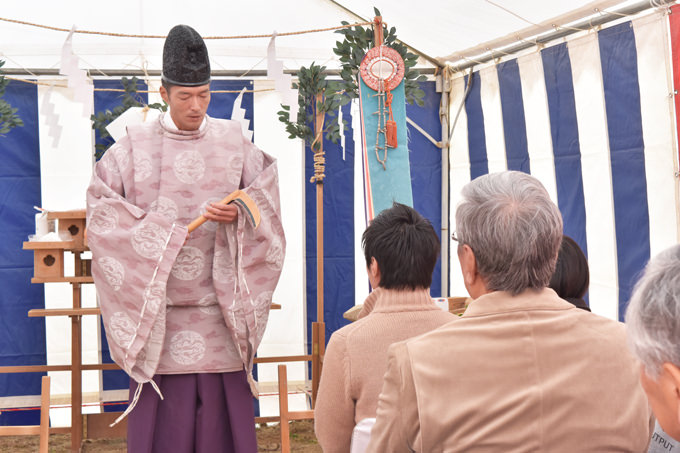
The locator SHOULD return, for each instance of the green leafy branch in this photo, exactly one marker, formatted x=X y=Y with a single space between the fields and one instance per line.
x=130 y=98
x=336 y=93
x=8 y=117
x=358 y=40
x=312 y=82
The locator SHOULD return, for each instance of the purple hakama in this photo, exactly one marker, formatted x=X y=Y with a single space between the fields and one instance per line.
x=201 y=413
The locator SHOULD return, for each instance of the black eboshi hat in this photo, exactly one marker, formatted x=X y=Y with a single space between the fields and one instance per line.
x=185 y=58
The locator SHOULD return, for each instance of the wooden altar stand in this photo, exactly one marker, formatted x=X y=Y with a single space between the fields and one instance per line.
x=48 y=266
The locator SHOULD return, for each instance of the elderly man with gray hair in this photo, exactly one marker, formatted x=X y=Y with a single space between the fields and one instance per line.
x=522 y=370
x=653 y=319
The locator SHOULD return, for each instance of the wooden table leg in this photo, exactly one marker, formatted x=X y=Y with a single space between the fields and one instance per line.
x=76 y=376
x=45 y=415
x=283 y=409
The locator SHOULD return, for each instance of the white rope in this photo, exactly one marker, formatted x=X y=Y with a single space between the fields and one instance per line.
x=135 y=400
x=131 y=406
x=510 y=12
x=155 y=387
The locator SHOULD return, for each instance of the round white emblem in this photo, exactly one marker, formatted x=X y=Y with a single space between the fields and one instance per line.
x=187 y=347
x=148 y=240
x=113 y=270
x=274 y=256
x=189 y=167
x=153 y=296
x=223 y=270
x=116 y=159
x=143 y=167
x=104 y=219
x=165 y=207
x=209 y=305
x=189 y=264
x=122 y=329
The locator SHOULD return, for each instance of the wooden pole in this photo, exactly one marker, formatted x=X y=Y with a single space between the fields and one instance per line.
x=76 y=376
x=318 y=351
x=283 y=409
x=45 y=415
x=318 y=131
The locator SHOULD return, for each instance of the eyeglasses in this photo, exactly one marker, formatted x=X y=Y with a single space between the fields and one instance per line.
x=454 y=238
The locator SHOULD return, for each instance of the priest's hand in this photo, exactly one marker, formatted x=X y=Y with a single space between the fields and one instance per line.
x=223 y=213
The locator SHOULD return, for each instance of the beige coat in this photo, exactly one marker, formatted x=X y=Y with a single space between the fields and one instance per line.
x=530 y=373
x=356 y=360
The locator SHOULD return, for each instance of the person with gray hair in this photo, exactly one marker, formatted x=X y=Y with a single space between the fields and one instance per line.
x=522 y=370
x=653 y=320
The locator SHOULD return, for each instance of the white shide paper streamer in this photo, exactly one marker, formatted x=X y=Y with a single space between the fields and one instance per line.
x=282 y=82
x=51 y=117
x=82 y=87
x=238 y=113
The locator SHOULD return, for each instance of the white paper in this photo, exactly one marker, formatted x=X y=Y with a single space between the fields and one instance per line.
x=51 y=118
x=282 y=82
x=134 y=115
x=78 y=81
x=238 y=113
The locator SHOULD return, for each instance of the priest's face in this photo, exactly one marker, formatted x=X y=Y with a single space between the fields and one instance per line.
x=187 y=105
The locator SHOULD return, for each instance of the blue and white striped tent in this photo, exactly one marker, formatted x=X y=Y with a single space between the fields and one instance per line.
x=591 y=117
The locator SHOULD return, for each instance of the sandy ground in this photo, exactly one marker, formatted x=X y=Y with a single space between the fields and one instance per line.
x=268 y=440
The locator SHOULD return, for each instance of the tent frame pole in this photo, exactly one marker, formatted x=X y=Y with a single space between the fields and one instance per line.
x=444 y=85
x=582 y=26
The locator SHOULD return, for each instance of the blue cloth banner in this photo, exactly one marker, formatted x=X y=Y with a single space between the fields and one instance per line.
x=22 y=339
x=626 y=148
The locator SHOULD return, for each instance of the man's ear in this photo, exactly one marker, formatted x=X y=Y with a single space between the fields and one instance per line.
x=374 y=269
x=468 y=264
x=474 y=283
x=673 y=373
x=164 y=94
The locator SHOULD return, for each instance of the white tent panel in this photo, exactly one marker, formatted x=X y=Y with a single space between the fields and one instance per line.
x=597 y=178
x=658 y=130
x=459 y=175
x=539 y=140
x=493 y=120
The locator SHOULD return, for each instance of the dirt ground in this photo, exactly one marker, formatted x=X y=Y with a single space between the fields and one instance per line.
x=268 y=440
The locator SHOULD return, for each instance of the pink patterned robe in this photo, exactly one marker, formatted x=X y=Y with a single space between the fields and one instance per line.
x=170 y=307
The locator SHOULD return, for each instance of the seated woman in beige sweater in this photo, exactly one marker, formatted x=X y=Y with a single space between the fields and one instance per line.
x=401 y=250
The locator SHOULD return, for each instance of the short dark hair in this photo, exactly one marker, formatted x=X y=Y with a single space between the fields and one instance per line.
x=571 y=277
x=405 y=246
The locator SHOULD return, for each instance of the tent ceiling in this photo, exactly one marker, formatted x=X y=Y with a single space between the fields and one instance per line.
x=441 y=29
